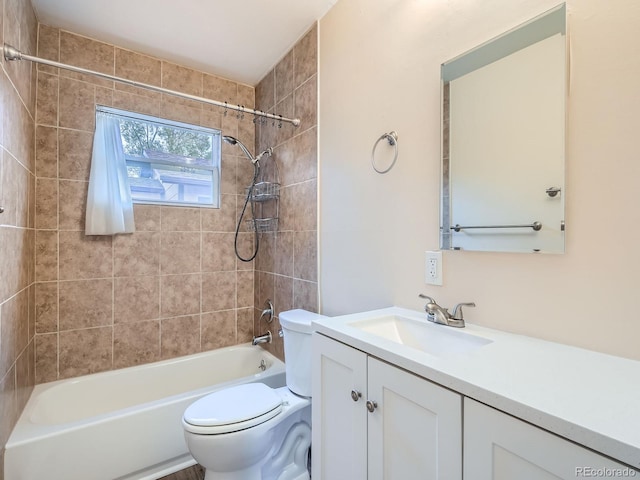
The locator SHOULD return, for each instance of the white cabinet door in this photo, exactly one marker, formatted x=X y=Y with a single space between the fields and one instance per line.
x=415 y=432
x=500 y=447
x=339 y=432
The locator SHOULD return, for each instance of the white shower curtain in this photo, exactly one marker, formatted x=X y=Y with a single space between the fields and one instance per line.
x=109 y=204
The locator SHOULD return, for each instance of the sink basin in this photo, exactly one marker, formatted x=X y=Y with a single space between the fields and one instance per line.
x=437 y=340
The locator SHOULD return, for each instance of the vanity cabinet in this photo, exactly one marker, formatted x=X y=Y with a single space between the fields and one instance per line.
x=374 y=421
x=500 y=447
x=540 y=417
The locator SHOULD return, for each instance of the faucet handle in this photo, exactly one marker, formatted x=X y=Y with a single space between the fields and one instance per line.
x=267 y=312
x=457 y=310
x=430 y=301
x=426 y=297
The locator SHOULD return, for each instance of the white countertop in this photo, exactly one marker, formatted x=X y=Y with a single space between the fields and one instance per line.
x=588 y=397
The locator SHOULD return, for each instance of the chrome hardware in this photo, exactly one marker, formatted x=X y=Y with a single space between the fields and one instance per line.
x=438 y=314
x=553 y=191
x=457 y=310
x=536 y=226
x=371 y=406
x=280 y=333
x=268 y=312
x=11 y=53
x=392 y=138
x=1 y=209
x=263 y=365
x=427 y=298
x=355 y=395
x=266 y=338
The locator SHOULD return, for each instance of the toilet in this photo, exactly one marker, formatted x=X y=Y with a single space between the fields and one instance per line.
x=255 y=432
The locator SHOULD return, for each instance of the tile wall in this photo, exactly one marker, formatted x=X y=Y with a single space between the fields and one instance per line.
x=286 y=267
x=173 y=287
x=72 y=304
x=18 y=27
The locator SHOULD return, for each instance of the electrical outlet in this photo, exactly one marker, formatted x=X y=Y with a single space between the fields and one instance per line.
x=433 y=268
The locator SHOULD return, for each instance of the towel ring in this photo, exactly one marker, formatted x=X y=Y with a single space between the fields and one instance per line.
x=392 y=138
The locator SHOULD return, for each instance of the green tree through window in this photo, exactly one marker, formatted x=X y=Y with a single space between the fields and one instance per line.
x=140 y=137
x=169 y=163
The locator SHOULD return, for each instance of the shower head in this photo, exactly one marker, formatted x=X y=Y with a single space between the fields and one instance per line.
x=234 y=141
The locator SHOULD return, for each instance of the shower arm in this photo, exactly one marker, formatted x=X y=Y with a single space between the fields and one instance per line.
x=234 y=141
x=12 y=53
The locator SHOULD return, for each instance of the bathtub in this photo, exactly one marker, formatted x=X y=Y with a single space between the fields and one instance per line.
x=125 y=424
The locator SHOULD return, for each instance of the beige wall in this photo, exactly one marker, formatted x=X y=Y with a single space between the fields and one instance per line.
x=173 y=287
x=379 y=71
x=18 y=27
x=286 y=266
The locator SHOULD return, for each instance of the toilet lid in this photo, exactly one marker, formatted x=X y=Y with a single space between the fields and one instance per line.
x=249 y=404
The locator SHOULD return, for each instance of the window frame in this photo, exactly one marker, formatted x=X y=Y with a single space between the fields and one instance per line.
x=215 y=167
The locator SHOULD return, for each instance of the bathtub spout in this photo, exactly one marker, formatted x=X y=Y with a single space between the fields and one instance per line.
x=266 y=338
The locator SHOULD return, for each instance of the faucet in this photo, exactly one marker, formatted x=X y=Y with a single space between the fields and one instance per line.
x=266 y=338
x=267 y=312
x=438 y=314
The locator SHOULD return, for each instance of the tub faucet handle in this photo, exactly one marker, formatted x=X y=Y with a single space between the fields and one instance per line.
x=268 y=311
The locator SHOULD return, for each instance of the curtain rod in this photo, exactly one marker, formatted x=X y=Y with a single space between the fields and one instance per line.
x=12 y=53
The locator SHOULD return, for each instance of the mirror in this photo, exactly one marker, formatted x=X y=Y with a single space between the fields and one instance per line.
x=503 y=141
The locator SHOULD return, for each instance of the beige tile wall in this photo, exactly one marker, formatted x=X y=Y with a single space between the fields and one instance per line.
x=18 y=27
x=172 y=288
x=71 y=304
x=286 y=267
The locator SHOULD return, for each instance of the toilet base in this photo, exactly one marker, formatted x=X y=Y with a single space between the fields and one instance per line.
x=290 y=462
x=219 y=476
x=277 y=449
x=250 y=475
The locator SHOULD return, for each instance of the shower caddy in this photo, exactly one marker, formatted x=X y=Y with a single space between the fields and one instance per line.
x=265 y=198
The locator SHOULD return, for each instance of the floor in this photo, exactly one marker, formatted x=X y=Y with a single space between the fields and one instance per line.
x=192 y=473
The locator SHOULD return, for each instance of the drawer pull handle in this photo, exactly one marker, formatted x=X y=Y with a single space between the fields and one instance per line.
x=371 y=406
x=355 y=395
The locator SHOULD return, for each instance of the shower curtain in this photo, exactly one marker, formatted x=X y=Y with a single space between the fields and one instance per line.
x=109 y=204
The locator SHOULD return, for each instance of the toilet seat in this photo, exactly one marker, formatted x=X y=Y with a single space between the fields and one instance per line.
x=232 y=409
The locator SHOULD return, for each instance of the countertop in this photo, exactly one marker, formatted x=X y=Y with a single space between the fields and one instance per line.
x=588 y=397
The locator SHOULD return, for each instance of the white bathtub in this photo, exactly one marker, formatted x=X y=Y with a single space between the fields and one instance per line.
x=125 y=424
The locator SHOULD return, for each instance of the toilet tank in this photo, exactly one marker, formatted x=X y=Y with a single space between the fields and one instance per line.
x=296 y=327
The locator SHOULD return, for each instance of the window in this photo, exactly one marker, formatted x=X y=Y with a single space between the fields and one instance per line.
x=169 y=163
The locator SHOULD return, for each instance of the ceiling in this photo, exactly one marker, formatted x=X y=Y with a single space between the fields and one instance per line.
x=237 y=39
